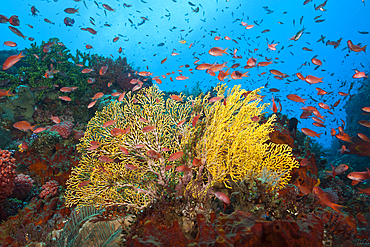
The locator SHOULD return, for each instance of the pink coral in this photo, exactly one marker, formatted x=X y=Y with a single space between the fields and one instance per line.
x=49 y=189
x=64 y=129
x=7 y=174
x=23 y=185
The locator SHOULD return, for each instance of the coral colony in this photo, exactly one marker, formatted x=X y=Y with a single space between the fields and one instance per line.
x=94 y=153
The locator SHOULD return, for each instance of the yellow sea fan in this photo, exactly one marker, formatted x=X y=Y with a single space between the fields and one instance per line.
x=234 y=145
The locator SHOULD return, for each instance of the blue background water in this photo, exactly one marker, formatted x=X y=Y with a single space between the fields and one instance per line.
x=343 y=19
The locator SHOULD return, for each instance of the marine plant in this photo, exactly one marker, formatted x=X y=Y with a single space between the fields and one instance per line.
x=144 y=148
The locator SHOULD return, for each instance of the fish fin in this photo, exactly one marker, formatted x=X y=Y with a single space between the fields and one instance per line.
x=333 y=171
x=337 y=207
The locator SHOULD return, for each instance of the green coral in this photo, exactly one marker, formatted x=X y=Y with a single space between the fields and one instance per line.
x=45 y=142
x=63 y=61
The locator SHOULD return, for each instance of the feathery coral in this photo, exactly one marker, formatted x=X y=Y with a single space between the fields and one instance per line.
x=121 y=171
x=234 y=146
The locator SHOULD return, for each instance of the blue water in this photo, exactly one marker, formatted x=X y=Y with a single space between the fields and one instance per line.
x=343 y=19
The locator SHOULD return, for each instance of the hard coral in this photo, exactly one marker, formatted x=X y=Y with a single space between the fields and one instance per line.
x=23 y=185
x=7 y=174
x=50 y=189
x=64 y=129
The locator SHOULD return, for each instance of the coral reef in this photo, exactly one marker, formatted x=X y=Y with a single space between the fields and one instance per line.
x=7 y=174
x=50 y=189
x=21 y=104
x=23 y=185
x=64 y=129
x=129 y=148
x=236 y=229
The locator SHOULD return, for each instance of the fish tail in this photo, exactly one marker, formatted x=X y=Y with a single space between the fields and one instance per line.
x=337 y=207
x=8 y=93
x=33 y=127
x=364 y=48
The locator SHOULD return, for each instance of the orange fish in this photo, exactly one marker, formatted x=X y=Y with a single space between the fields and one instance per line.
x=17 y=32
x=38 y=130
x=179 y=124
x=359 y=75
x=148 y=128
x=91 y=104
x=320 y=91
x=55 y=119
x=107 y=7
x=10 y=61
x=109 y=123
x=4 y=93
x=86 y=71
x=300 y=76
x=363 y=137
x=183 y=169
x=204 y=66
x=121 y=96
x=65 y=98
x=311 y=133
x=181 y=78
x=313 y=79
x=316 y=61
x=175 y=156
x=324 y=106
x=251 y=62
x=71 y=10
x=366 y=191
x=195 y=120
x=277 y=72
x=222 y=197
x=324 y=200
x=153 y=154
x=274 y=107
x=10 y=43
x=355 y=48
x=105 y=159
x=217 y=51
x=175 y=97
x=343 y=149
x=236 y=75
x=98 y=96
x=296 y=98
x=116 y=39
x=337 y=170
x=359 y=177
x=264 y=64
x=23 y=125
x=67 y=89
x=103 y=70
x=364 y=123
x=272 y=46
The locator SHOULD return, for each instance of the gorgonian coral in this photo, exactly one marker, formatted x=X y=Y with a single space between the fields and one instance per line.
x=136 y=151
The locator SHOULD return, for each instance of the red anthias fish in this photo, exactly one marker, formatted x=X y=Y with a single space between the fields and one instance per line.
x=324 y=200
x=358 y=177
x=337 y=170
